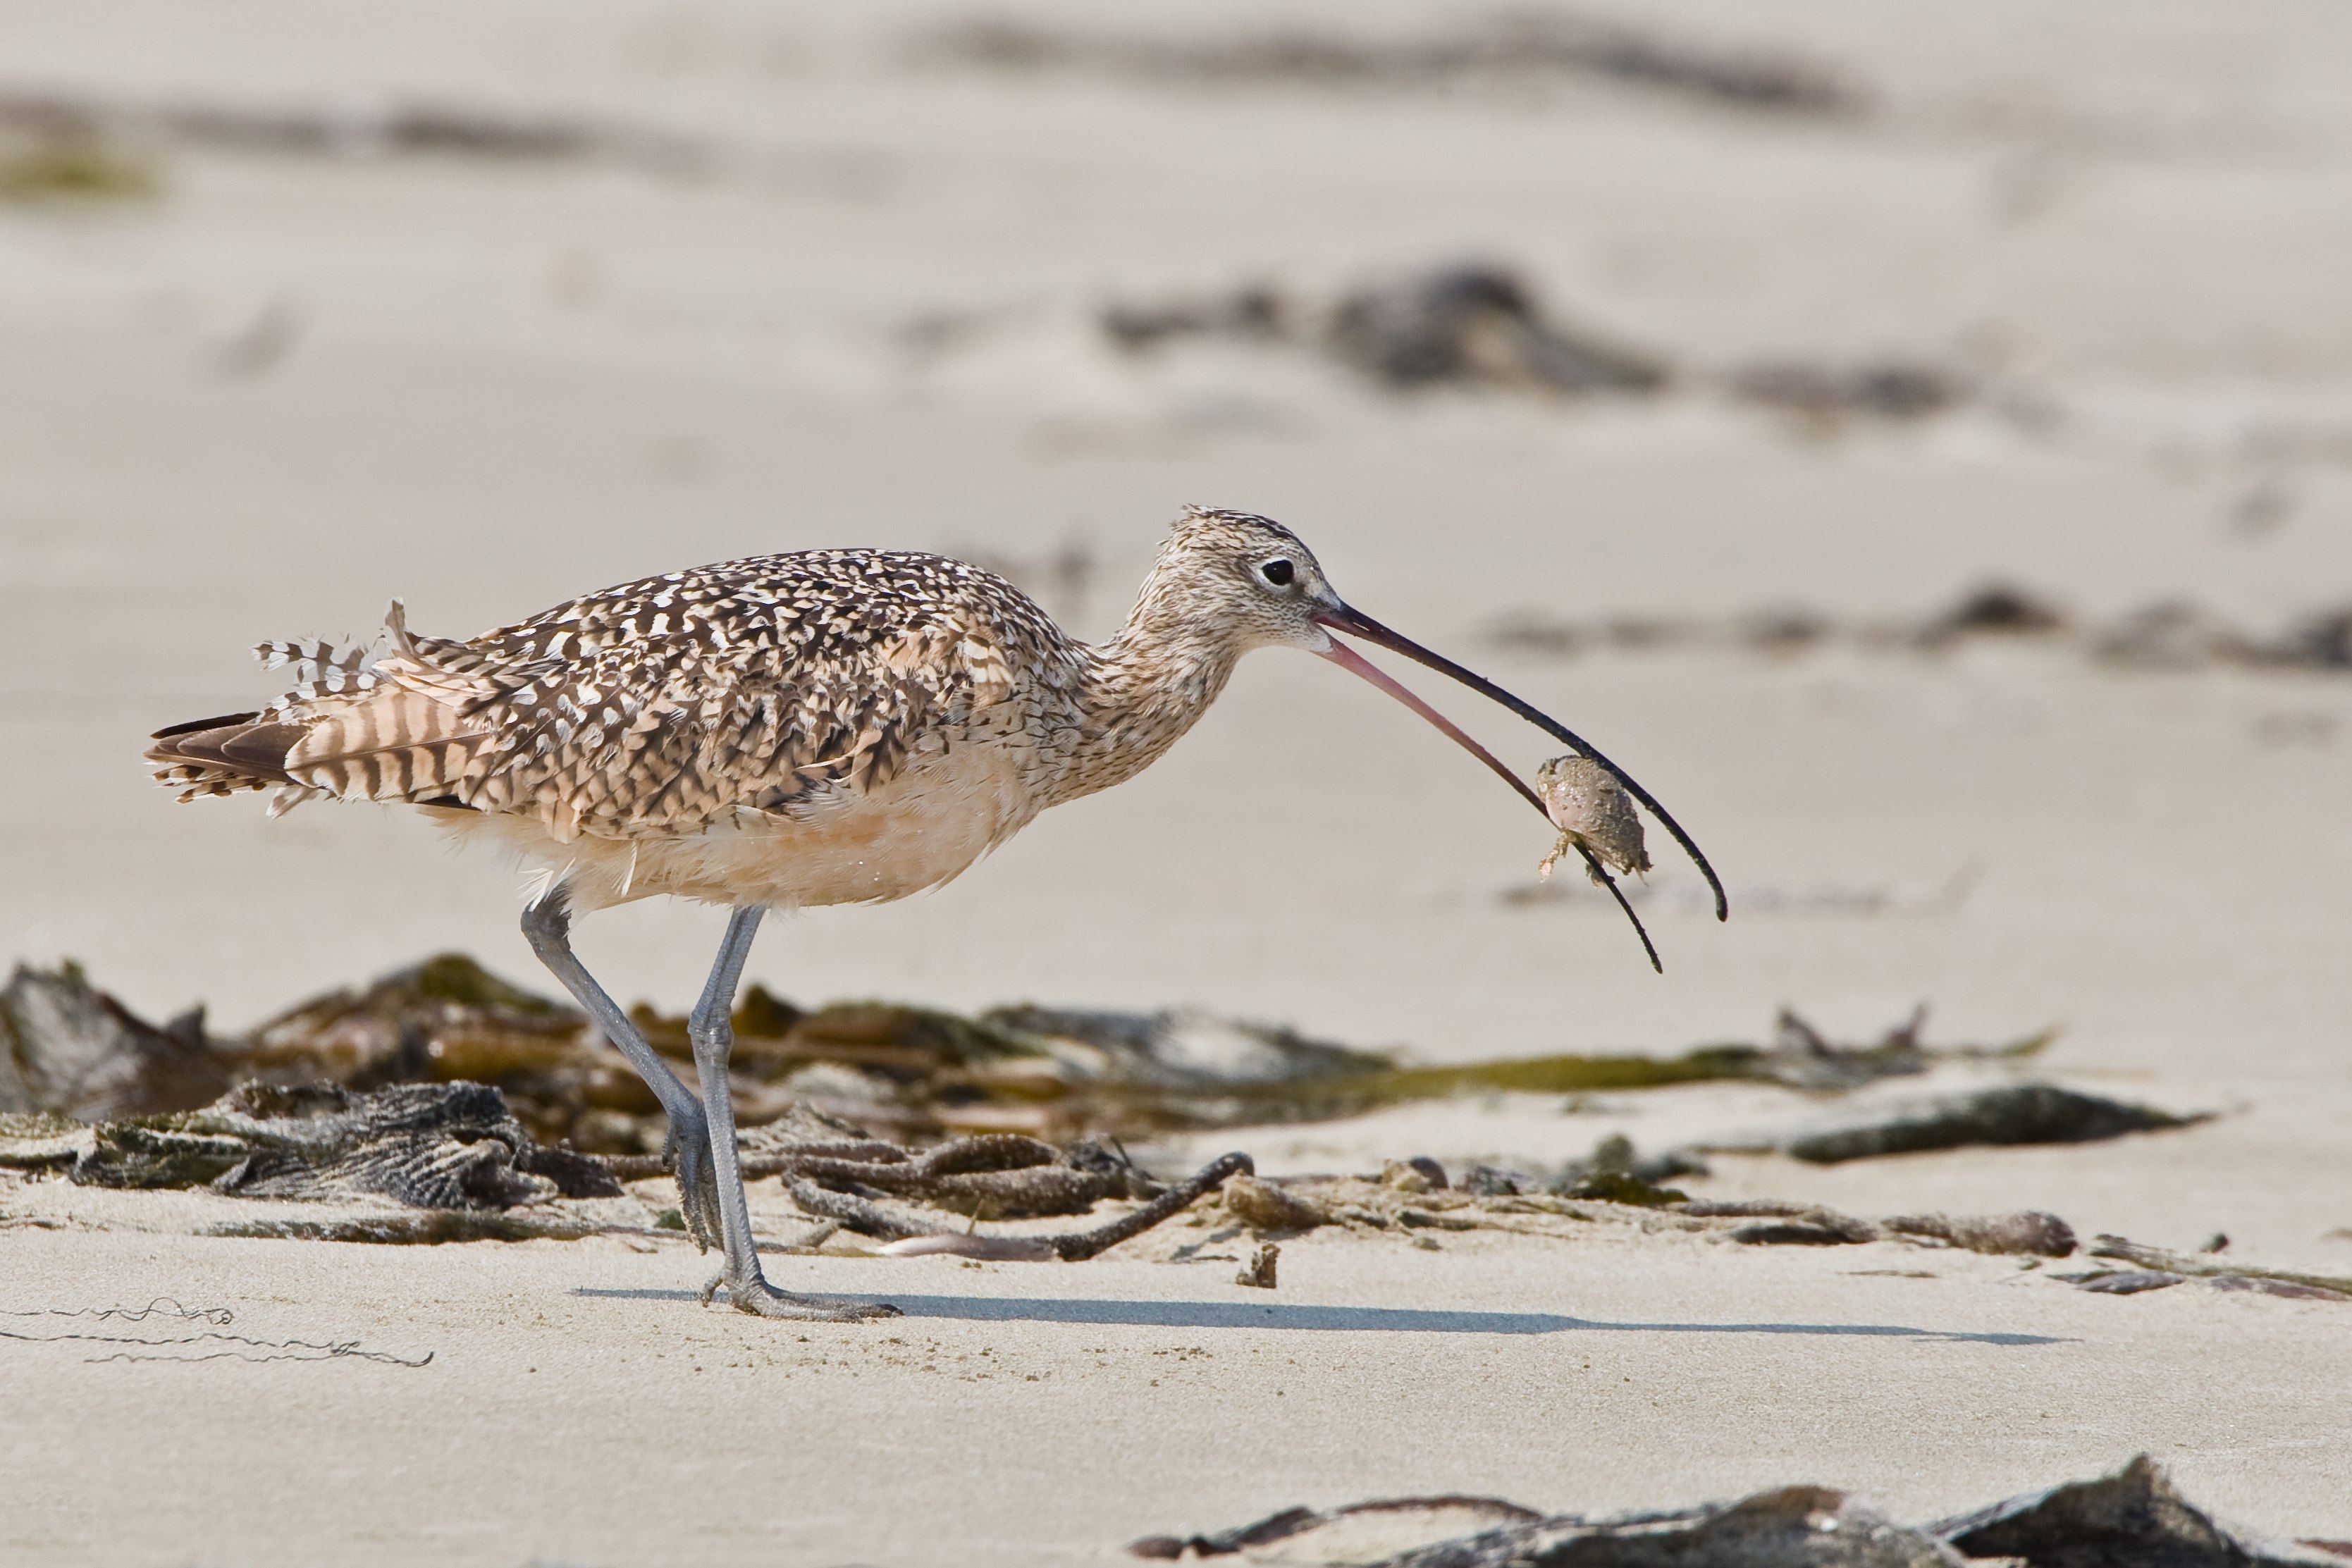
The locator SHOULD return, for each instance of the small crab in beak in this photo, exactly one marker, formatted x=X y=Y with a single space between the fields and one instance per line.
x=1587 y=798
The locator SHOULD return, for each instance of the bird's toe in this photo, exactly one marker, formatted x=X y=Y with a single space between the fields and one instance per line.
x=763 y=1300
x=688 y=1152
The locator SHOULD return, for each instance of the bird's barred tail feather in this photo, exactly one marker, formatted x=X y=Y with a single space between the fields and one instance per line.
x=378 y=721
x=222 y=755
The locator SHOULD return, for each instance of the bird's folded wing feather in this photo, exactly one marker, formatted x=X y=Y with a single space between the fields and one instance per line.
x=656 y=707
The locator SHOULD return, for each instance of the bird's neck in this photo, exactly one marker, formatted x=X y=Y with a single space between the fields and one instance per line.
x=1140 y=691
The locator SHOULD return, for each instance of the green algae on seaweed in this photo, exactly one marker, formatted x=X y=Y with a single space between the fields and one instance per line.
x=1343 y=1095
x=74 y=167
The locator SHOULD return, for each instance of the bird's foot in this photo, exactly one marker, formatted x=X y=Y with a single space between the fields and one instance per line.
x=762 y=1300
x=686 y=1152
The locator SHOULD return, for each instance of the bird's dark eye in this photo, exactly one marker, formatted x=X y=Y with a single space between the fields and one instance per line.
x=1277 y=573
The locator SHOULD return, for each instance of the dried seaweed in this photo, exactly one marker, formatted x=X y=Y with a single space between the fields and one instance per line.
x=447 y=1020
x=1510 y=48
x=1791 y=1527
x=2184 y=1266
x=2004 y=1115
x=1797 y=1056
x=1409 y=1517
x=2135 y=1516
x=450 y=1146
x=1253 y=310
x=860 y=1214
x=2170 y=635
x=470 y=1172
x=2124 y=1282
x=1465 y=323
x=1288 y=1205
x=429 y=1228
x=1820 y=391
x=40 y=1140
x=1477 y=322
x=2029 y=1233
x=70 y=1048
x=1000 y=1176
x=1774 y=1224
x=900 y=1076
x=392 y=127
x=1270 y=1209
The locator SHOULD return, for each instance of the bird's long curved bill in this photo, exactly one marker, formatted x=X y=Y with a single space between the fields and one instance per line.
x=1355 y=623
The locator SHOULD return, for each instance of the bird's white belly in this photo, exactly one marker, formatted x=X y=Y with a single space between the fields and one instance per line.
x=925 y=826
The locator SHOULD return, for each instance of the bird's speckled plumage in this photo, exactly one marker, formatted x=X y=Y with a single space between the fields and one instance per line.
x=831 y=726
x=816 y=727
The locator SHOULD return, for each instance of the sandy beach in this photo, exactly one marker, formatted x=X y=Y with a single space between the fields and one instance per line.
x=672 y=283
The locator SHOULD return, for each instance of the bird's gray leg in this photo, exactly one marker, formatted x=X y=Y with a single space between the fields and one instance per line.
x=547 y=926
x=711 y=1027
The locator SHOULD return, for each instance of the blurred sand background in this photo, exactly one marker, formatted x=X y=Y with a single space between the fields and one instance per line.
x=815 y=280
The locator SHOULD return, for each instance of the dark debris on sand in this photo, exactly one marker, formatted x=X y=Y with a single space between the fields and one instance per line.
x=911 y=1233
x=1402 y=1200
x=1504 y=49
x=2158 y=1269
x=429 y=1146
x=1466 y=323
x=1478 y=323
x=2004 y=1115
x=2133 y=1519
x=2168 y=636
x=452 y=1149
x=48 y=116
x=68 y=1047
x=2027 y=1233
x=1884 y=390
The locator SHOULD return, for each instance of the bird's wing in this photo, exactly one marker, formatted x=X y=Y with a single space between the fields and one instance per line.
x=651 y=708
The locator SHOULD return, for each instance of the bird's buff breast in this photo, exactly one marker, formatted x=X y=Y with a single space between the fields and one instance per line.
x=923 y=828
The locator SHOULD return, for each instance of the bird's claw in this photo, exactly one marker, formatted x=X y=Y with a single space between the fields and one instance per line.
x=762 y=1300
x=686 y=1152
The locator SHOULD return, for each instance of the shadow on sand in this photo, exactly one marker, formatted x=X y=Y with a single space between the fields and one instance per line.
x=1284 y=1315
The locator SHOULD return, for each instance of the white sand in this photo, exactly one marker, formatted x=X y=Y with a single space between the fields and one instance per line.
x=580 y=1407
x=506 y=385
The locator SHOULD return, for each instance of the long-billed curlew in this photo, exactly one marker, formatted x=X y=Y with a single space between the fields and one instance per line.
x=831 y=726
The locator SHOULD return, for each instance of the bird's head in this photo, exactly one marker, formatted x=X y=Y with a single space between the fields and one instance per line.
x=1240 y=582
x=1242 y=579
